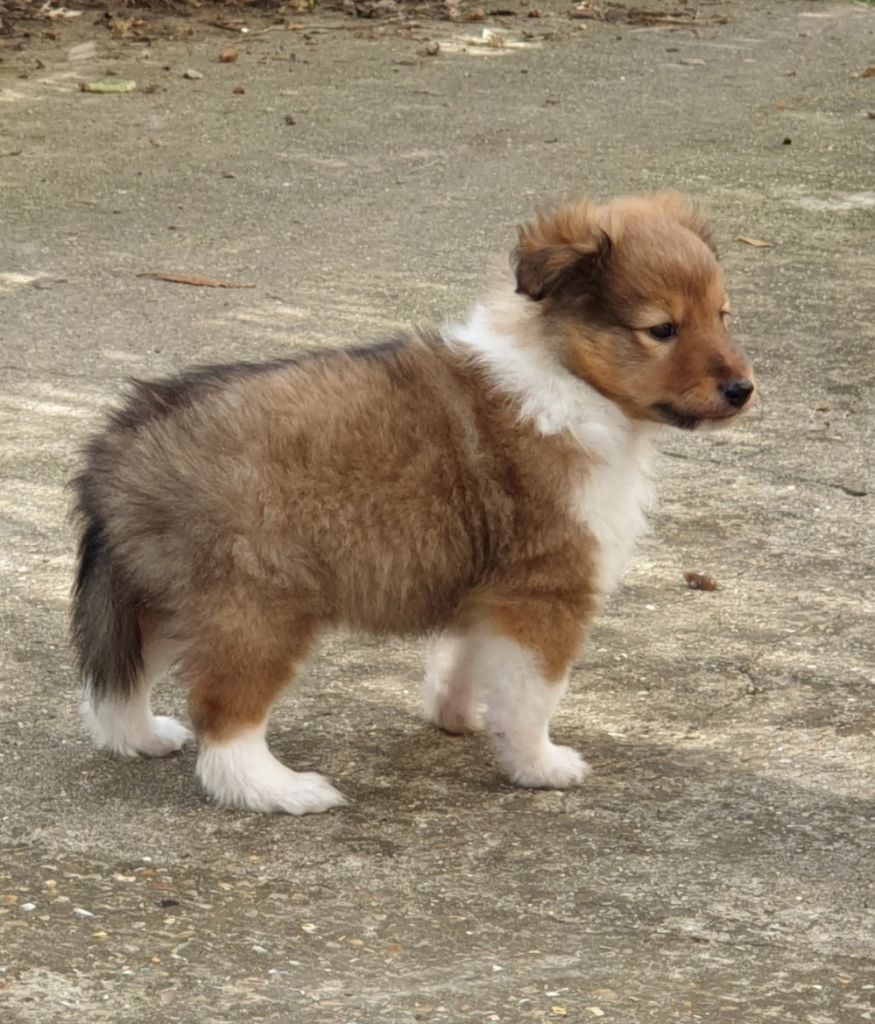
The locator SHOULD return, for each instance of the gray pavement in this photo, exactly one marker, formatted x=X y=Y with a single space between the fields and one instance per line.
x=718 y=863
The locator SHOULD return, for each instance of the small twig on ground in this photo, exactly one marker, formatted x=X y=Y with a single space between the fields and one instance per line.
x=195 y=280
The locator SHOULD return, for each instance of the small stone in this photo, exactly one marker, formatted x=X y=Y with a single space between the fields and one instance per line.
x=81 y=912
x=192 y=74
x=28 y=907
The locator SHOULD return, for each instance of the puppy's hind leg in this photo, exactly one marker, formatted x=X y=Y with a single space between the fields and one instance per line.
x=449 y=692
x=234 y=678
x=119 y=652
x=122 y=722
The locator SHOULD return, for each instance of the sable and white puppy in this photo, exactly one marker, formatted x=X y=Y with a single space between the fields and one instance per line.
x=483 y=486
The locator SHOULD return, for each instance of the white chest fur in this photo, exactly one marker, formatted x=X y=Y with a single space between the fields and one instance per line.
x=612 y=501
x=612 y=498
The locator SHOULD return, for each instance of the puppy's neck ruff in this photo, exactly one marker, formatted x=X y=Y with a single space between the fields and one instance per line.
x=504 y=333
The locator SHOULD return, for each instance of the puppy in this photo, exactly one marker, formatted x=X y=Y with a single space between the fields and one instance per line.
x=483 y=486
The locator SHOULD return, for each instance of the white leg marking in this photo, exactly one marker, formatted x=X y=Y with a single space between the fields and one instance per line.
x=449 y=693
x=126 y=726
x=242 y=772
x=520 y=702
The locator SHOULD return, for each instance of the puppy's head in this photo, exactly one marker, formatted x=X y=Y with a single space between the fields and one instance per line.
x=632 y=295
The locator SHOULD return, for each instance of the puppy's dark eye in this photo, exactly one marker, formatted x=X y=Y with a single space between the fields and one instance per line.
x=665 y=332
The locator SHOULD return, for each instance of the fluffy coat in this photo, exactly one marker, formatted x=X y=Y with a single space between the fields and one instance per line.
x=485 y=485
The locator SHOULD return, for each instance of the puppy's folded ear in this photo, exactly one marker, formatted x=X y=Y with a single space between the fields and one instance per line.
x=562 y=249
x=687 y=212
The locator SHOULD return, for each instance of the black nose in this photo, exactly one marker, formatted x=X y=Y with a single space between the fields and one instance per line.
x=737 y=392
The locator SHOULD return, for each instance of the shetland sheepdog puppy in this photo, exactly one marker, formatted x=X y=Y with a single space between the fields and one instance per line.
x=482 y=486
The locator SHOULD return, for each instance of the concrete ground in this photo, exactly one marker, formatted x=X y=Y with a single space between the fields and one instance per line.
x=719 y=863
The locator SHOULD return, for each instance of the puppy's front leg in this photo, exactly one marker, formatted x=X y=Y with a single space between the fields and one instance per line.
x=522 y=659
x=449 y=694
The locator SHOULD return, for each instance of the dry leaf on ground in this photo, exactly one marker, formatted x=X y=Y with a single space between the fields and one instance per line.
x=109 y=85
x=700 y=581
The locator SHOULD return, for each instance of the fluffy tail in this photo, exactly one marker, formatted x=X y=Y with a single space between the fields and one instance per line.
x=105 y=624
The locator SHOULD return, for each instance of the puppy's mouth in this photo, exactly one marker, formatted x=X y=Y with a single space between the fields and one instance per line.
x=687 y=420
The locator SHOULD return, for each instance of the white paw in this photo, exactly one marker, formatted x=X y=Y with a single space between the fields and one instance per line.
x=304 y=793
x=128 y=728
x=243 y=773
x=453 y=716
x=553 y=767
x=460 y=721
x=167 y=736
x=285 y=792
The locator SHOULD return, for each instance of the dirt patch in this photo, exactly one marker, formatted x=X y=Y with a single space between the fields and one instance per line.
x=144 y=20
